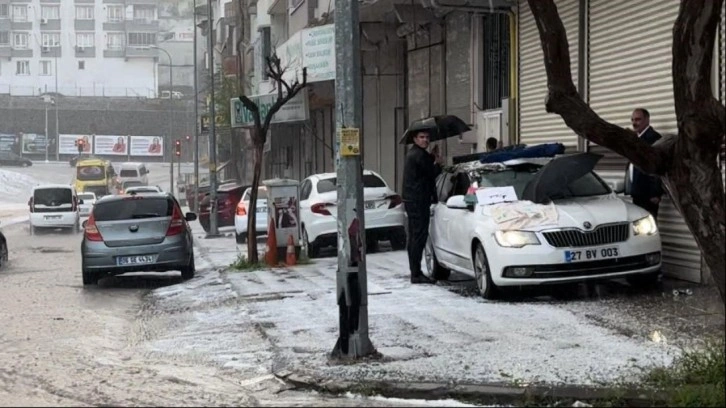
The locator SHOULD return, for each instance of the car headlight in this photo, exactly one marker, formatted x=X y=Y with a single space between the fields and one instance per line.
x=516 y=239
x=645 y=226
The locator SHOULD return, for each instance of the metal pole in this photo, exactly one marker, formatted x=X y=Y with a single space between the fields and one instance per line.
x=352 y=294
x=57 y=128
x=47 y=139
x=196 y=117
x=213 y=231
x=169 y=141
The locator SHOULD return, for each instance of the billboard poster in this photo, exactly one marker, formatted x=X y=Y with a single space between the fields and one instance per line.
x=7 y=142
x=110 y=145
x=33 y=143
x=147 y=146
x=67 y=144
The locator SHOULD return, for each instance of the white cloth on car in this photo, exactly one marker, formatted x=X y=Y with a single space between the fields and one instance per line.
x=523 y=214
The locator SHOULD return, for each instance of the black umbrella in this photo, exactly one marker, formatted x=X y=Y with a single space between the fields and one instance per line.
x=555 y=176
x=439 y=127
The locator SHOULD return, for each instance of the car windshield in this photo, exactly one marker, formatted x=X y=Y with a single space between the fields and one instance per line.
x=128 y=173
x=518 y=177
x=88 y=173
x=86 y=197
x=133 y=208
x=369 y=181
x=261 y=194
x=52 y=196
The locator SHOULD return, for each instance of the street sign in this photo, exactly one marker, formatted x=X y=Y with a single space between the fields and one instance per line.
x=295 y=110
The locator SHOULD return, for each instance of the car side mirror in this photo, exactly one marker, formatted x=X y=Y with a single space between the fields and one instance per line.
x=457 y=202
x=617 y=186
x=84 y=223
x=191 y=216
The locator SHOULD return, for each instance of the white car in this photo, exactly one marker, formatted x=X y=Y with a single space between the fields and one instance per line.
x=242 y=211
x=88 y=199
x=384 y=215
x=143 y=189
x=585 y=232
x=54 y=206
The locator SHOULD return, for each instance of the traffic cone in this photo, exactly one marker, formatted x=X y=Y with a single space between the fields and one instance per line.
x=290 y=260
x=271 y=254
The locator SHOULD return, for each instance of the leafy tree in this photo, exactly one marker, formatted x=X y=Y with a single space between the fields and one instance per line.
x=687 y=162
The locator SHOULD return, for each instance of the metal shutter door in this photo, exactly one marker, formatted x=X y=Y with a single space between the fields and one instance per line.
x=535 y=124
x=722 y=81
x=630 y=56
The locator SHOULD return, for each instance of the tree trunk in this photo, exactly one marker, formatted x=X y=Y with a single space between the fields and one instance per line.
x=688 y=163
x=252 y=210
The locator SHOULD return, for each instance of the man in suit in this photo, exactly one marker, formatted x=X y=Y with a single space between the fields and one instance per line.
x=646 y=190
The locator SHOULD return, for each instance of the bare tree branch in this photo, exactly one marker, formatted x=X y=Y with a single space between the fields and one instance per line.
x=564 y=100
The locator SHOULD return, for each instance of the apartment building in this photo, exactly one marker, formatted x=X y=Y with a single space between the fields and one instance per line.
x=79 y=48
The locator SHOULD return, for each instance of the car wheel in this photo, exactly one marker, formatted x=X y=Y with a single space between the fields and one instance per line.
x=433 y=268
x=90 y=278
x=644 y=280
x=187 y=272
x=398 y=240
x=240 y=238
x=311 y=249
x=3 y=254
x=484 y=283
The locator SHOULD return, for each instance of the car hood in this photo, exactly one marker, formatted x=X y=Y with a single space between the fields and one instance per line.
x=574 y=212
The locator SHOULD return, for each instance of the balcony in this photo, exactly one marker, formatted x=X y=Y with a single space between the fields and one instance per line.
x=5 y=24
x=50 y=52
x=50 y=25
x=142 y=2
x=114 y=53
x=5 y=51
x=141 y=51
x=21 y=53
x=85 y=25
x=85 y=52
x=21 y=25
x=142 y=25
x=114 y=25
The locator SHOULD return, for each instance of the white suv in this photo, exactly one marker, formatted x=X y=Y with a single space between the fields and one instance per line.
x=54 y=206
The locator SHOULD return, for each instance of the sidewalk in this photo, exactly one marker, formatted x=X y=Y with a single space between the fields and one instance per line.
x=442 y=339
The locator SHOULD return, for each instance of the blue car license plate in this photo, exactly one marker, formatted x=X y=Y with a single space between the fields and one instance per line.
x=135 y=260
x=594 y=254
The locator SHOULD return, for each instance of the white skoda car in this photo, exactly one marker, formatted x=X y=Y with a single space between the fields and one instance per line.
x=581 y=230
x=384 y=215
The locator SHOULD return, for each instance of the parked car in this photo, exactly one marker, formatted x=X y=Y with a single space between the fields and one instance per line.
x=243 y=210
x=228 y=196
x=4 y=252
x=88 y=200
x=590 y=232
x=137 y=233
x=12 y=159
x=384 y=215
x=54 y=206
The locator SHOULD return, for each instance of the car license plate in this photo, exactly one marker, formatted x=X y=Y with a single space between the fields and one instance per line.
x=592 y=254
x=53 y=217
x=135 y=260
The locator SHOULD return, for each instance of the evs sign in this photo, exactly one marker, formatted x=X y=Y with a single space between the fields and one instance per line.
x=295 y=110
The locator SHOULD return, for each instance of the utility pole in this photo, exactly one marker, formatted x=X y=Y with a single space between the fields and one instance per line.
x=213 y=231
x=57 y=129
x=47 y=139
x=352 y=294
x=196 y=117
x=169 y=141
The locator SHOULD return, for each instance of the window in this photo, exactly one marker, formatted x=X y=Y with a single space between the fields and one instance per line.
x=115 y=14
x=20 y=13
x=22 y=68
x=144 y=13
x=4 y=38
x=50 y=40
x=114 y=41
x=142 y=39
x=266 y=45
x=81 y=65
x=46 y=68
x=84 y=12
x=50 y=12
x=495 y=61
x=144 y=207
x=4 y=11
x=20 y=40
x=305 y=190
x=85 y=40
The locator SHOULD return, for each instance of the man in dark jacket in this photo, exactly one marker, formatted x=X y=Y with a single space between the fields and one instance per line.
x=646 y=190
x=419 y=192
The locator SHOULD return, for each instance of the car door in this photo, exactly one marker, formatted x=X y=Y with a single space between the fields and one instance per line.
x=439 y=213
x=456 y=222
x=305 y=190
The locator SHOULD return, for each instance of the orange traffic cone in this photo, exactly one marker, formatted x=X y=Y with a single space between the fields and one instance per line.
x=290 y=260
x=271 y=254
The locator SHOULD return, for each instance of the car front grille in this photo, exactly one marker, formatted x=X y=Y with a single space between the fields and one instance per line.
x=601 y=235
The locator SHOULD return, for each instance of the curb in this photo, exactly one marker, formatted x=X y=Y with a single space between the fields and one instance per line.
x=479 y=393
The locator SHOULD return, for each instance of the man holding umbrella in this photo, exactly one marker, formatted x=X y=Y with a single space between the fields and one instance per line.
x=419 y=192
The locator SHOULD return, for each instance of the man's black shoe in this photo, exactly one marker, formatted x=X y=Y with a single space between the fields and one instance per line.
x=422 y=279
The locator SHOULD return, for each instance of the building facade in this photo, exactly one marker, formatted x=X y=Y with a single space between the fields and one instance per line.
x=81 y=48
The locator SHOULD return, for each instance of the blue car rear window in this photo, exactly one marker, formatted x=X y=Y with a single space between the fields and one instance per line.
x=133 y=208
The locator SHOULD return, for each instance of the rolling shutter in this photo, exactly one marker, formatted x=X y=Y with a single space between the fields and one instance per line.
x=535 y=124
x=630 y=55
x=722 y=84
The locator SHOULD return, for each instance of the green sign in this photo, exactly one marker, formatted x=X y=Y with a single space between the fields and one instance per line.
x=295 y=110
